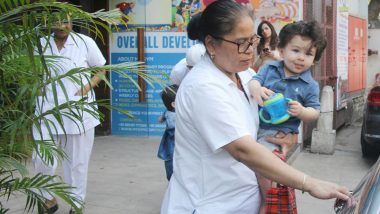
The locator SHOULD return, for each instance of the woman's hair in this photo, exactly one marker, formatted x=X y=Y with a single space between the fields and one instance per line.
x=193 y=24
x=218 y=19
x=273 y=38
x=304 y=29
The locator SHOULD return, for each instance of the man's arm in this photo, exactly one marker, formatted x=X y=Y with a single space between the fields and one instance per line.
x=94 y=58
x=95 y=80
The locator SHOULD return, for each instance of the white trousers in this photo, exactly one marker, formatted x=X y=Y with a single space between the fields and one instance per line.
x=78 y=150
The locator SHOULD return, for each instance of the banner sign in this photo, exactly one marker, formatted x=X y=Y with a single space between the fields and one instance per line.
x=342 y=54
x=163 y=51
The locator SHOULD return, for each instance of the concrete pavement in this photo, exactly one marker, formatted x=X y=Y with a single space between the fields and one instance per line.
x=346 y=167
x=125 y=175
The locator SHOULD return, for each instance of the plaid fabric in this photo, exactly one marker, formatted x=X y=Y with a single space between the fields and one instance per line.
x=280 y=199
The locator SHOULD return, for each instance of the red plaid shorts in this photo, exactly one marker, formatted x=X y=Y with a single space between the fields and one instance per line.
x=280 y=199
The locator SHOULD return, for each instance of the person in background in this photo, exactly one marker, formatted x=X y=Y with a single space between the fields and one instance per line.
x=166 y=148
x=267 y=47
x=301 y=45
x=180 y=70
x=377 y=79
x=76 y=137
x=216 y=154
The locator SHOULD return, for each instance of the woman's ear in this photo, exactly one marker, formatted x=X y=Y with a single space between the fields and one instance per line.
x=210 y=45
x=173 y=104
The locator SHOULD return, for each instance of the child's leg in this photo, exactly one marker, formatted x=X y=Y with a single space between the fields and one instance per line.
x=264 y=183
x=261 y=138
x=290 y=140
x=169 y=168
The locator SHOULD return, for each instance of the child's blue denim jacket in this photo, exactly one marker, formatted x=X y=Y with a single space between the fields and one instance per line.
x=166 y=149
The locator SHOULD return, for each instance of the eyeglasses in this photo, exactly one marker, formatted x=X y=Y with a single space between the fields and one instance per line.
x=242 y=47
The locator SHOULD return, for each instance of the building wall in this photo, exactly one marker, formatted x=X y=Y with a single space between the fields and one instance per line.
x=373 y=66
x=358 y=8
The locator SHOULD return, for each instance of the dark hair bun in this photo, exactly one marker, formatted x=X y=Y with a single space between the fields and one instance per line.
x=193 y=31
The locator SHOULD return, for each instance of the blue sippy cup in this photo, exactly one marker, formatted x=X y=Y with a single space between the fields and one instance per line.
x=277 y=108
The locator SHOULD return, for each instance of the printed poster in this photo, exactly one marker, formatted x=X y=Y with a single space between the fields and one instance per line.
x=162 y=51
x=342 y=54
x=154 y=15
x=277 y=12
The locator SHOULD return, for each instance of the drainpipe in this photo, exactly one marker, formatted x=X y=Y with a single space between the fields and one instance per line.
x=141 y=58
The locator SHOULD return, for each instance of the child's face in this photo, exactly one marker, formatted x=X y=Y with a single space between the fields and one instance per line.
x=298 y=56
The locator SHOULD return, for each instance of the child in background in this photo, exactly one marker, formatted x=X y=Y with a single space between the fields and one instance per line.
x=301 y=44
x=166 y=149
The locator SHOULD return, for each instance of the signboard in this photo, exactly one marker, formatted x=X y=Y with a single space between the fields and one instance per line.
x=342 y=54
x=163 y=51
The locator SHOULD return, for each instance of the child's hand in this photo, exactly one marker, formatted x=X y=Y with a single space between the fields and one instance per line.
x=161 y=119
x=295 y=108
x=286 y=141
x=262 y=94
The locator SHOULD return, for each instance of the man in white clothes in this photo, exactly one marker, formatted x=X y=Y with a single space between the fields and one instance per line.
x=76 y=137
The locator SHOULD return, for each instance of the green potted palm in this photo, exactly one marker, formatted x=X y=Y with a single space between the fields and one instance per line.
x=24 y=75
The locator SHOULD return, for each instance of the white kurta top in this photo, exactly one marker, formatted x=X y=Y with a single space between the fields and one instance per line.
x=211 y=112
x=79 y=51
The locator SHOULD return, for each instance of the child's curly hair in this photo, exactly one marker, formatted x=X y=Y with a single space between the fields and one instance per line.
x=304 y=29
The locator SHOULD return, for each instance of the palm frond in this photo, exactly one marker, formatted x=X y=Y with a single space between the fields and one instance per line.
x=26 y=74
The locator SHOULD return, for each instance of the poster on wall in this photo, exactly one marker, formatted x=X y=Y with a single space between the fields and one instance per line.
x=182 y=11
x=150 y=14
x=342 y=54
x=162 y=51
x=277 y=12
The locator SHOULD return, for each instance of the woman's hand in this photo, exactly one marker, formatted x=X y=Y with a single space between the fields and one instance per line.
x=269 y=54
x=266 y=53
x=325 y=190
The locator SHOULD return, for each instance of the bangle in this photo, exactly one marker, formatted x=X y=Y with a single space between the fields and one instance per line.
x=303 y=183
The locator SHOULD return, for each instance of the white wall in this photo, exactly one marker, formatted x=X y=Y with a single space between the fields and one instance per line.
x=358 y=8
x=373 y=65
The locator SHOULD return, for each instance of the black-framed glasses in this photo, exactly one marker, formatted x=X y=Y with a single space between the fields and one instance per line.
x=242 y=47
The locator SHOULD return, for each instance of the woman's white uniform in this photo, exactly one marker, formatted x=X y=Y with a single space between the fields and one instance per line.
x=76 y=136
x=212 y=112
